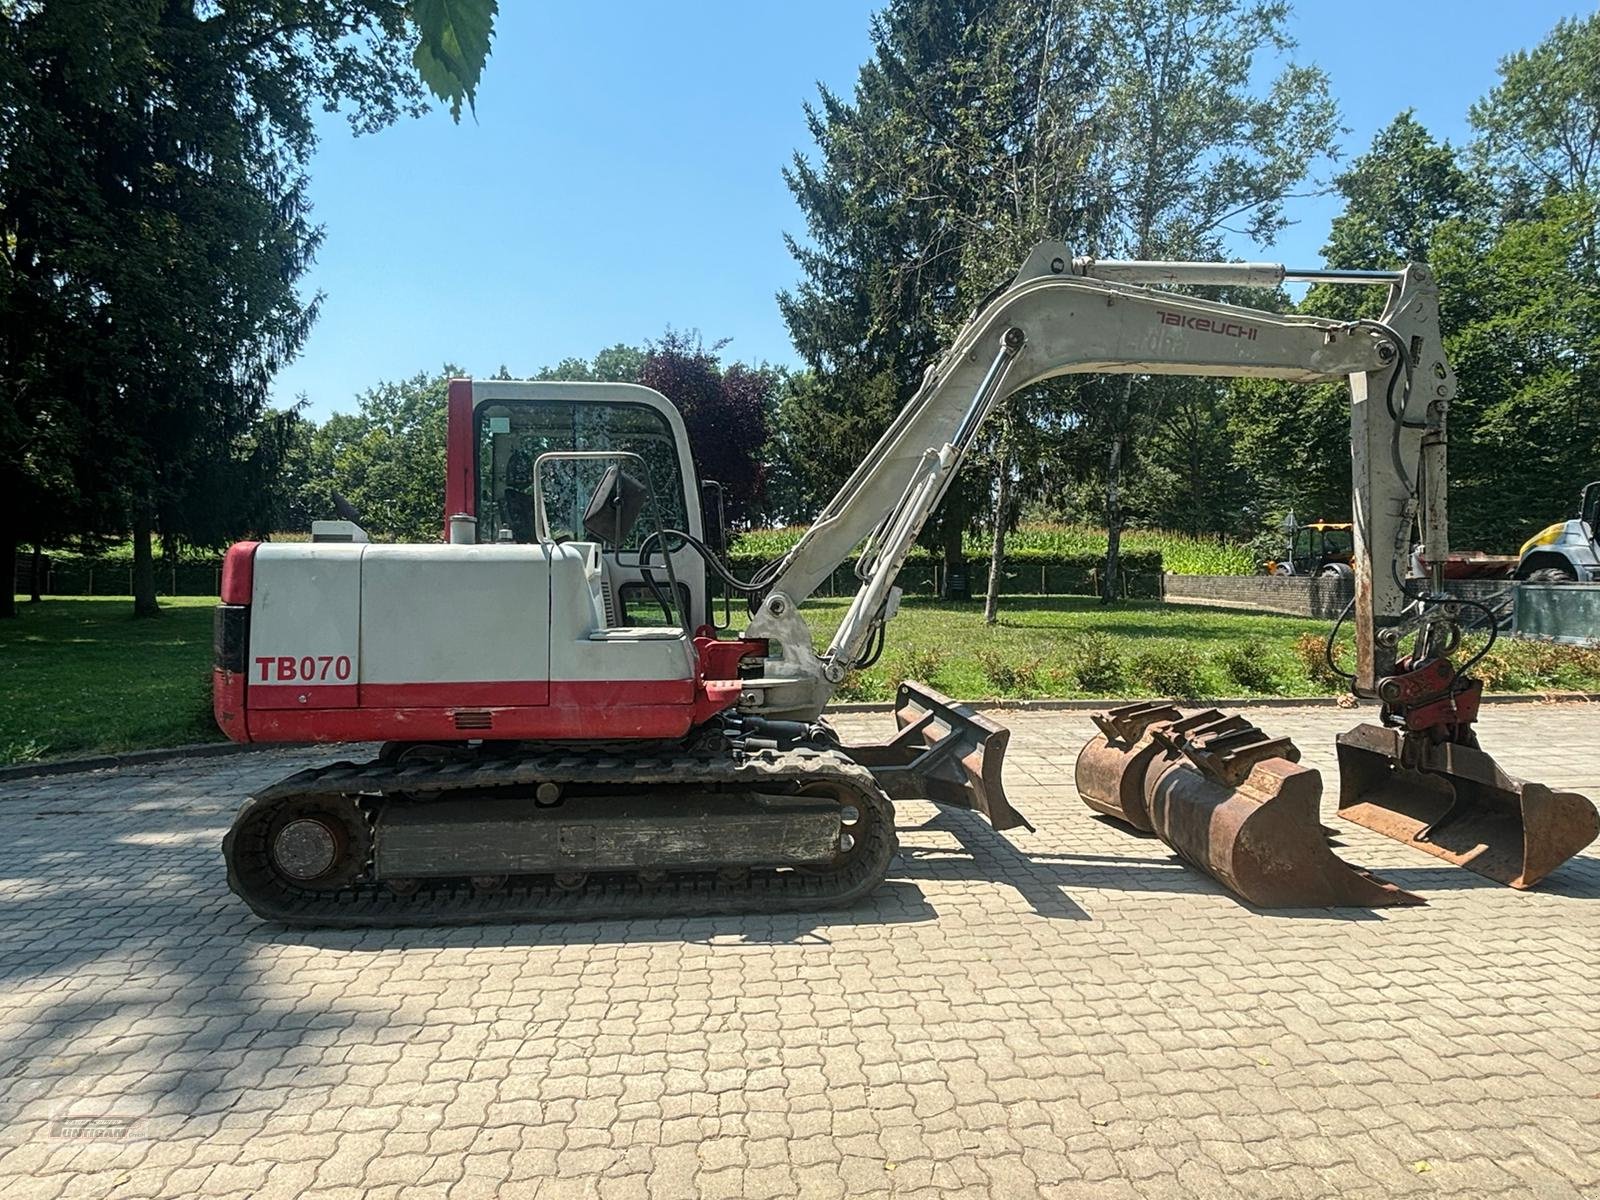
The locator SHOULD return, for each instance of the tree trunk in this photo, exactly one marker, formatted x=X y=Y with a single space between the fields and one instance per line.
x=38 y=573
x=144 y=566
x=997 y=550
x=954 y=557
x=1108 y=587
x=8 y=564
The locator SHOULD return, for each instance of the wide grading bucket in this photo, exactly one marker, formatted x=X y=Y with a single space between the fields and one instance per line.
x=1455 y=803
x=1229 y=799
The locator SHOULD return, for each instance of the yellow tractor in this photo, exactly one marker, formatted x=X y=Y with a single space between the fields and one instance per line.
x=1320 y=548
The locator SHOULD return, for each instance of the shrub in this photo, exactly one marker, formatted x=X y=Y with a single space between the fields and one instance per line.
x=1529 y=666
x=1170 y=669
x=1246 y=664
x=1309 y=648
x=918 y=663
x=1010 y=678
x=1499 y=672
x=859 y=688
x=1096 y=663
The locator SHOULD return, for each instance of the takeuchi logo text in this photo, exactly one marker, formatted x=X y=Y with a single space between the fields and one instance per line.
x=1214 y=325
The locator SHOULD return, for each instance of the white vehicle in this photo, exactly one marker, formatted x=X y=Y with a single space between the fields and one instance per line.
x=1566 y=552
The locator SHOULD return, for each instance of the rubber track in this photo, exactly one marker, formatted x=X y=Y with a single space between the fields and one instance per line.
x=370 y=904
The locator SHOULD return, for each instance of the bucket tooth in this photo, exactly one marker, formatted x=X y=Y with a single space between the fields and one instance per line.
x=945 y=752
x=1455 y=803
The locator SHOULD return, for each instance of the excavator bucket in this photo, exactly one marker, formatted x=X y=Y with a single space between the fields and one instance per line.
x=1110 y=771
x=1110 y=768
x=1228 y=799
x=1455 y=802
x=944 y=752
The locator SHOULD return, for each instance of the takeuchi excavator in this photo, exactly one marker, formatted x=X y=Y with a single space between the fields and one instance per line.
x=570 y=728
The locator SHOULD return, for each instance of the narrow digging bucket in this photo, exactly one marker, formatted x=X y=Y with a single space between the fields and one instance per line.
x=1110 y=770
x=1111 y=767
x=944 y=752
x=1455 y=803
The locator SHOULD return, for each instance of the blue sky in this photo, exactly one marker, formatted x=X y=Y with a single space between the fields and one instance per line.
x=623 y=175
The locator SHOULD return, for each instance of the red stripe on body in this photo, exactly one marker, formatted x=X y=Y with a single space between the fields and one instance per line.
x=578 y=710
x=313 y=696
x=227 y=704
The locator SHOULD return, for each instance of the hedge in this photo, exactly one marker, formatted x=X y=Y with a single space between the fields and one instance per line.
x=1026 y=572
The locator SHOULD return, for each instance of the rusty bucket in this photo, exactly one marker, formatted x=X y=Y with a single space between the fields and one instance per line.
x=1228 y=799
x=1237 y=804
x=943 y=751
x=1455 y=803
x=1111 y=766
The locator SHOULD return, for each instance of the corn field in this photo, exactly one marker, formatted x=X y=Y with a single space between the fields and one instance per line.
x=1181 y=553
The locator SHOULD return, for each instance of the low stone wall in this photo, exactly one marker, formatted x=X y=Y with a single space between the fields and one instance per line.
x=1295 y=595
x=1324 y=597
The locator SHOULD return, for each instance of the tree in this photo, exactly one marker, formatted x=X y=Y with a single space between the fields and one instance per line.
x=1524 y=339
x=154 y=225
x=1294 y=440
x=614 y=364
x=724 y=412
x=1523 y=293
x=881 y=263
x=1188 y=477
x=387 y=459
x=1198 y=149
x=1029 y=120
x=1539 y=128
x=1124 y=126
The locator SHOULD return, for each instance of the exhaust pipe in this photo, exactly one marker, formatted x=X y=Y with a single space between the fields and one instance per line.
x=1454 y=802
x=1228 y=799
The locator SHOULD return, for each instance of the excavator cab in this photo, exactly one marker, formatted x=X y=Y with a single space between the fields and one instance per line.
x=500 y=430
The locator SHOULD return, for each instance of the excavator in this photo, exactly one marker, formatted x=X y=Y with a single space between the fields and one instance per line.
x=568 y=731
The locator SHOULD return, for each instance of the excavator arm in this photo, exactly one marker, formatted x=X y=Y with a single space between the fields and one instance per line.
x=1062 y=315
x=1222 y=793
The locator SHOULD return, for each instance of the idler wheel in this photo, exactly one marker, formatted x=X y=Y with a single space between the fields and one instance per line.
x=322 y=844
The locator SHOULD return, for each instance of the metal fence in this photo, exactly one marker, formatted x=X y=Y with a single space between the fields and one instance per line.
x=114 y=577
x=1559 y=612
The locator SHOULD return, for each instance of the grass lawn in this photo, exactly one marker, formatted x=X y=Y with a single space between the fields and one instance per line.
x=1073 y=646
x=81 y=675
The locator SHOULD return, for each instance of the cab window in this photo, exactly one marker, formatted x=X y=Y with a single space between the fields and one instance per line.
x=512 y=434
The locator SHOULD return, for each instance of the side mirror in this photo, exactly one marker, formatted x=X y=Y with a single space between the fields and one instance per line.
x=713 y=500
x=614 y=507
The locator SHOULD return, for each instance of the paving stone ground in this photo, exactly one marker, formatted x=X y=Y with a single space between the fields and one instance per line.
x=1064 y=1013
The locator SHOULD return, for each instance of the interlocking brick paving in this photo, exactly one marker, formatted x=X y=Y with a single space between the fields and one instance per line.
x=1064 y=1013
